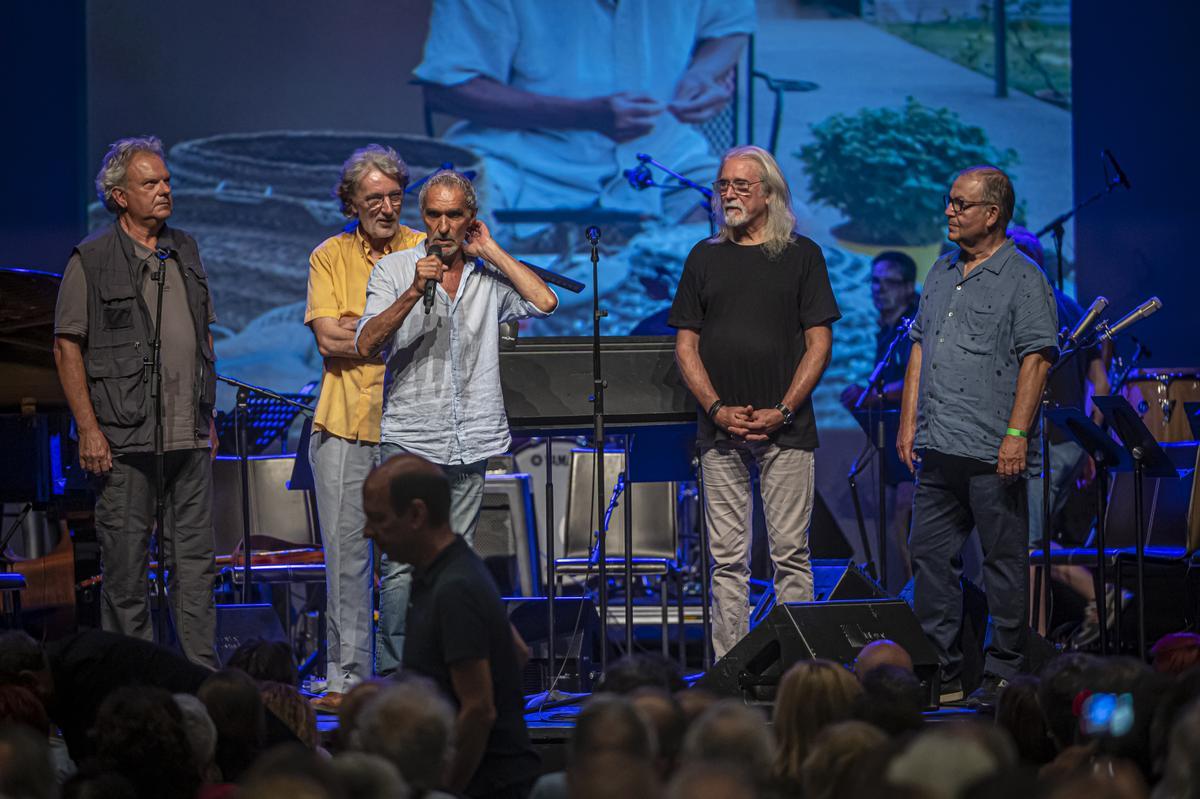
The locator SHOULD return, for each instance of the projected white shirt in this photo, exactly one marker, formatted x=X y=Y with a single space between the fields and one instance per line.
x=577 y=49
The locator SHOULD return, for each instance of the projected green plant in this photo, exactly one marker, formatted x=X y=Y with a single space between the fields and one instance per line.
x=886 y=169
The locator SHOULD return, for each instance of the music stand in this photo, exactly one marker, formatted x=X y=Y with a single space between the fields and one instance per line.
x=880 y=427
x=1148 y=460
x=1109 y=457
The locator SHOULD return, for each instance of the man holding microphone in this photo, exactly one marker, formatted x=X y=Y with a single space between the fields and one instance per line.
x=443 y=399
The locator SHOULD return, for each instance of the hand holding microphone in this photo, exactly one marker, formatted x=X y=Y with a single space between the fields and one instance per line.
x=429 y=273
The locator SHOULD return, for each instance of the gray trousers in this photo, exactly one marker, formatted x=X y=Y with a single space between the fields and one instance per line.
x=124 y=521
x=395 y=584
x=953 y=496
x=339 y=469
x=786 y=481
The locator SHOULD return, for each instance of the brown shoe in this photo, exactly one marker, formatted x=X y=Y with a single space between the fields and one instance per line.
x=327 y=702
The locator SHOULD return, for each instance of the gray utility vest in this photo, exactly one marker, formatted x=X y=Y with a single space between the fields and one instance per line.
x=120 y=334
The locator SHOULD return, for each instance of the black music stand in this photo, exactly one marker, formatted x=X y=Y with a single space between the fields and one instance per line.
x=1109 y=457
x=880 y=427
x=1148 y=460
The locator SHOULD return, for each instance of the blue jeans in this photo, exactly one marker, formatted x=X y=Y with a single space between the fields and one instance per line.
x=1065 y=460
x=395 y=584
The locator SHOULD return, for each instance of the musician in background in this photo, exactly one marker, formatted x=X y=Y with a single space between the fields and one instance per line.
x=103 y=333
x=344 y=446
x=1071 y=386
x=754 y=314
x=894 y=294
x=433 y=312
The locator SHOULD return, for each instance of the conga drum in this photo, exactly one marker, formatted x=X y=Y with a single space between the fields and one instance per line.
x=1158 y=395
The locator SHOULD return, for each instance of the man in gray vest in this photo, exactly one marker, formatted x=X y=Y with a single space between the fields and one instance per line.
x=103 y=334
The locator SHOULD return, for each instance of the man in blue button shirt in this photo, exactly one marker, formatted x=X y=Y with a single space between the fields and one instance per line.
x=983 y=342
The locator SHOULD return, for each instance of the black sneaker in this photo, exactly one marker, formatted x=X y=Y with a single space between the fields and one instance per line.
x=950 y=691
x=984 y=697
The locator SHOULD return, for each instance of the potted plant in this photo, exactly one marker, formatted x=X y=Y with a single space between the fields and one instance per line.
x=886 y=170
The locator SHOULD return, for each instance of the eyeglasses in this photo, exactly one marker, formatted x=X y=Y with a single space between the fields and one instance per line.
x=889 y=282
x=375 y=201
x=959 y=205
x=740 y=186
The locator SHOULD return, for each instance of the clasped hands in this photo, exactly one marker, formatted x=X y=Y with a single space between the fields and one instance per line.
x=744 y=422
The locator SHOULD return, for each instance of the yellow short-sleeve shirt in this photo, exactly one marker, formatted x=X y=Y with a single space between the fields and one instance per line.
x=351 y=401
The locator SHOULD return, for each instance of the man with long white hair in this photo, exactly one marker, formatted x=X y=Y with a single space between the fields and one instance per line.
x=754 y=312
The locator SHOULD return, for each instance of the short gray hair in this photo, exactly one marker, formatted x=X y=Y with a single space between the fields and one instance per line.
x=115 y=164
x=411 y=725
x=448 y=177
x=363 y=161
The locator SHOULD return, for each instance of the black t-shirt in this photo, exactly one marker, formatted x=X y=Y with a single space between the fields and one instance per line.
x=751 y=313
x=455 y=614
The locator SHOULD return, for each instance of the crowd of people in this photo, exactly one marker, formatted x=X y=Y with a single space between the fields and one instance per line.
x=1085 y=726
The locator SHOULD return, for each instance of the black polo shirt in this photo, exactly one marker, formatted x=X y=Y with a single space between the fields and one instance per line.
x=751 y=312
x=455 y=614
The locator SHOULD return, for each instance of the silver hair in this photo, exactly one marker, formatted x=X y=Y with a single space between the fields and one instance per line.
x=362 y=161
x=448 y=177
x=781 y=221
x=200 y=729
x=115 y=164
x=411 y=725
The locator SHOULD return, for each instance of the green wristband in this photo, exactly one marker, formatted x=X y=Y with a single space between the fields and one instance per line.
x=1012 y=431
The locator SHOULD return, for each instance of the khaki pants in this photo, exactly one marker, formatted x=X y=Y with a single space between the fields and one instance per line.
x=786 y=484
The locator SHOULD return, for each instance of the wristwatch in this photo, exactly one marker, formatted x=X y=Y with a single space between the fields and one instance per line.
x=788 y=413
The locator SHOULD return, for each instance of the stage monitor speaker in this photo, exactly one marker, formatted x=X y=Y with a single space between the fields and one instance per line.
x=506 y=535
x=834 y=631
x=841 y=578
x=275 y=511
x=576 y=641
x=237 y=624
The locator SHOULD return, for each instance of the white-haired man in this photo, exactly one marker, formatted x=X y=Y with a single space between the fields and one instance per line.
x=754 y=312
x=344 y=446
x=103 y=334
x=443 y=400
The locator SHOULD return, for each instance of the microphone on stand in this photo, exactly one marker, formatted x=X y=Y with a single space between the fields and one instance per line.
x=1139 y=313
x=639 y=177
x=431 y=285
x=1122 y=178
x=593 y=235
x=1085 y=324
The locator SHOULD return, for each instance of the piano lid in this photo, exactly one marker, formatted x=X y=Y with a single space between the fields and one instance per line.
x=27 y=371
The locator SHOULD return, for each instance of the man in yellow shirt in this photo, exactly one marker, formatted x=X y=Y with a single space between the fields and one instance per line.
x=345 y=439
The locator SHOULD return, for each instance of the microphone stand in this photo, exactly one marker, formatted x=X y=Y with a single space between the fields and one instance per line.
x=704 y=191
x=1055 y=225
x=241 y=413
x=159 y=276
x=598 y=386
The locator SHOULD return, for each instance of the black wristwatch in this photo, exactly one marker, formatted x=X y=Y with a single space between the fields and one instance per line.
x=788 y=413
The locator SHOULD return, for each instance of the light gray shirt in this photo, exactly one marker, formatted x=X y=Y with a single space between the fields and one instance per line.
x=441 y=395
x=974 y=332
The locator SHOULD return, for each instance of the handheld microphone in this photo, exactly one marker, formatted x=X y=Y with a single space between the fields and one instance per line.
x=593 y=234
x=1085 y=324
x=1122 y=178
x=431 y=285
x=1139 y=313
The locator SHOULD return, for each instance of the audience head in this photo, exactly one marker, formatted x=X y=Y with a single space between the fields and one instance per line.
x=944 y=760
x=23 y=663
x=1061 y=682
x=411 y=725
x=835 y=754
x=892 y=700
x=881 y=653
x=628 y=674
x=19 y=705
x=611 y=723
x=812 y=695
x=353 y=703
x=291 y=771
x=266 y=661
x=1019 y=712
x=236 y=709
x=1176 y=653
x=1181 y=772
x=366 y=776
x=711 y=781
x=694 y=701
x=406 y=501
x=666 y=718
x=292 y=709
x=201 y=733
x=731 y=734
x=26 y=771
x=139 y=733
